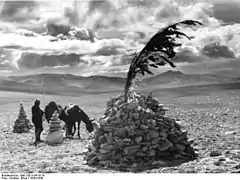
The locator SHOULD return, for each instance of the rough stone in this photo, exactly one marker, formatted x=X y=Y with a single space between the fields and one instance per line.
x=215 y=153
x=164 y=145
x=131 y=149
x=92 y=147
x=180 y=147
x=153 y=134
x=107 y=147
x=22 y=124
x=163 y=134
x=141 y=135
x=55 y=135
x=138 y=139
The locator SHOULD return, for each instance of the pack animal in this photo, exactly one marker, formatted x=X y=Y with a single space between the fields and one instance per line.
x=73 y=114
x=50 y=109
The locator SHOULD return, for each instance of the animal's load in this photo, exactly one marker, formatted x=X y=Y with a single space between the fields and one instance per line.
x=136 y=135
x=22 y=124
x=55 y=135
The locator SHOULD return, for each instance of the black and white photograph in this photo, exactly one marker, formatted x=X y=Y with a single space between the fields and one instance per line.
x=119 y=87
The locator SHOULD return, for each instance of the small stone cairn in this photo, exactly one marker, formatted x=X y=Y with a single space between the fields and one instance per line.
x=22 y=124
x=55 y=135
x=136 y=135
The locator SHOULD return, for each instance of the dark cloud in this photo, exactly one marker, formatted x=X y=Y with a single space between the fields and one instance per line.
x=34 y=60
x=229 y=12
x=18 y=11
x=216 y=50
x=108 y=51
x=109 y=48
x=209 y=51
x=57 y=26
x=187 y=55
x=144 y=3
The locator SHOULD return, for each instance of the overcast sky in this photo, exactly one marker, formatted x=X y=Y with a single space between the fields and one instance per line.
x=121 y=28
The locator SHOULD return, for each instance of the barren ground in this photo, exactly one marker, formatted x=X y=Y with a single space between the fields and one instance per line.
x=211 y=119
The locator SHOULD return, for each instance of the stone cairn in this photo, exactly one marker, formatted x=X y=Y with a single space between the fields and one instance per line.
x=22 y=124
x=136 y=135
x=55 y=135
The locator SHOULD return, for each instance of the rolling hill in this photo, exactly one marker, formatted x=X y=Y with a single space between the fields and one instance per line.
x=172 y=79
x=67 y=84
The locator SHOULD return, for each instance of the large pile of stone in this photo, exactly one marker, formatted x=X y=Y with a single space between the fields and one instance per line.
x=22 y=124
x=136 y=134
x=55 y=135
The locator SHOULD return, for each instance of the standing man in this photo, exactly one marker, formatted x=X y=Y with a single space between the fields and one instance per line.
x=37 y=114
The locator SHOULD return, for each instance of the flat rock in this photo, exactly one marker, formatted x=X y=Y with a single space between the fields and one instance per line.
x=107 y=147
x=54 y=126
x=127 y=140
x=164 y=145
x=101 y=139
x=104 y=157
x=181 y=147
x=122 y=132
x=155 y=140
x=138 y=139
x=146 y=137
x=215 y=153
x=131 y=149
x=159 y=162
x=144 y=126
x=141 y=154
x=109 y=139
x=104 y=151
x=153 y=134
x=132 y=106
x=151 y=153
x=163 y=134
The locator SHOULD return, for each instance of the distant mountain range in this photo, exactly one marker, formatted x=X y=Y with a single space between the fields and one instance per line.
x=172 y=79
x=72 y=84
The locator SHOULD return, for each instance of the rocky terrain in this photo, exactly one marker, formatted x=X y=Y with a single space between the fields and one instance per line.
x=211 y=120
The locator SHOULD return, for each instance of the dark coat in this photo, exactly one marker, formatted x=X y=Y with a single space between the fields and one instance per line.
x=37 y=114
